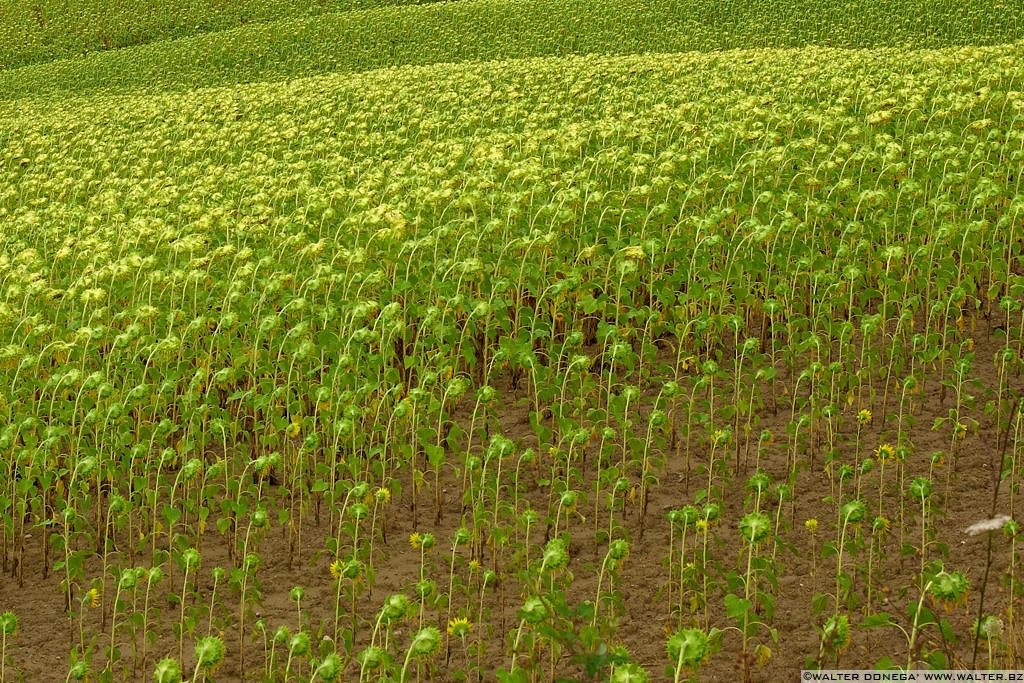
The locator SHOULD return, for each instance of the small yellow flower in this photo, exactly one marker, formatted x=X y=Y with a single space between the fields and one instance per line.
x=336 y=569
x=459 y=627
x=474 y=565
x=634 y=253
x=94 y=597
x=293 y=429
x=811 y=525
x=702 y=525
x=863 y=416
x=383 y=495
x=885 y=452
x=415 y=540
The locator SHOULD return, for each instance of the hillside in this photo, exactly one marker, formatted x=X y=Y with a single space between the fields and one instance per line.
x=46 y=30
x=479 y=30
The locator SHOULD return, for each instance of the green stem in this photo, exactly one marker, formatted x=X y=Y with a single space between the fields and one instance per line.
x=913 y=627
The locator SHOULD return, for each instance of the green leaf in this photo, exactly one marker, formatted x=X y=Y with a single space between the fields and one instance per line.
x=736 y=607
x=946 y=629
x=819 y=603
x=517 y=675
x=435 y=455
x=170 y=514
x=768 y=604
x=877 y=620
x=937 y=659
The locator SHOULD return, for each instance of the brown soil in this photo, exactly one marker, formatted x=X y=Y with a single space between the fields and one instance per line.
x=40 y=649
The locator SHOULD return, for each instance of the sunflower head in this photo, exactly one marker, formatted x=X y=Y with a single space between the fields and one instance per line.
x=8 y=623
x=836 y=634
x=209 y=652
x=459 y=627
x=425 y=643
x=688 y=647
x=395 y=607
x=949 y=588
x=885 y=452
x=167 y=671
x=880 y=525
x=372 y=658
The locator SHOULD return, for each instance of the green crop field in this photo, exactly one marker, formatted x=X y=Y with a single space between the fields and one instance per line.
x=619 y=340
x=45 y=30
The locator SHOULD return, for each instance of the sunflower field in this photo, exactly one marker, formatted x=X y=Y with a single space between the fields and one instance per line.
x=523 y=341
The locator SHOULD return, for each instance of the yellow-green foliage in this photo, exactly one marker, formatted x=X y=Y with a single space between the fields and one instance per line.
x=510 y=29
x=278 y=288
x=33 y=31
x=114 y=205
